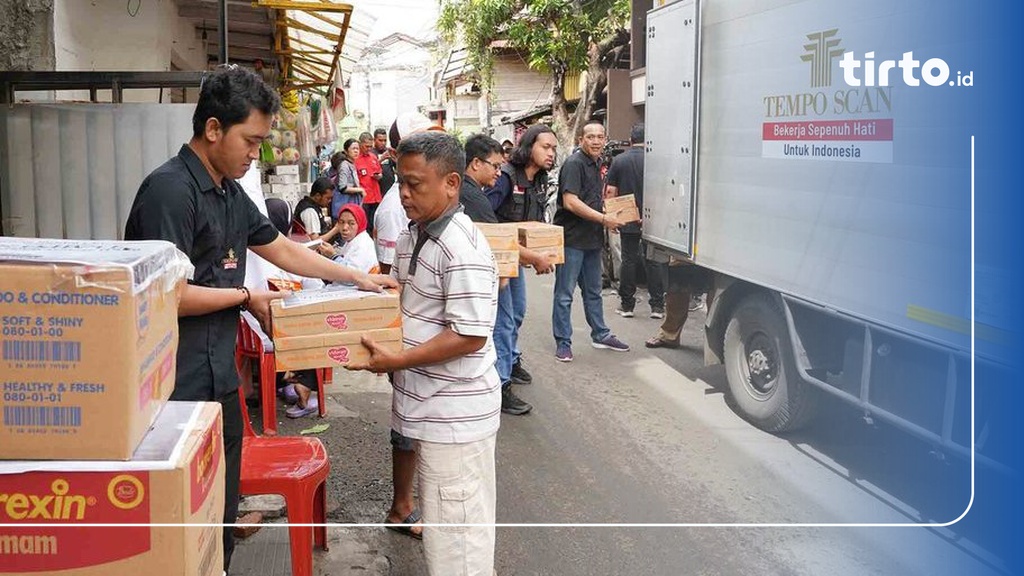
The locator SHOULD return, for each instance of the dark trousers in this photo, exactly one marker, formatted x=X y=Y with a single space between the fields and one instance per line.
x=232 y=430
x=632 y=259
x=233 y=468
x=370 y=210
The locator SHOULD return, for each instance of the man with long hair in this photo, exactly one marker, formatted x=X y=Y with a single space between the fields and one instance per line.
x=520 y=195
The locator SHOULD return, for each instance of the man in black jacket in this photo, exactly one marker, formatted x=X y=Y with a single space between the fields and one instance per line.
x=520 y=195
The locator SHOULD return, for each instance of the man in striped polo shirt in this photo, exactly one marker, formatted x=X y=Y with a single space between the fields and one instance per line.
x=447 y=394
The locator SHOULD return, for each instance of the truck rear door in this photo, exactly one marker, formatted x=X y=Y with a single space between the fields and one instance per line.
x=673 y=40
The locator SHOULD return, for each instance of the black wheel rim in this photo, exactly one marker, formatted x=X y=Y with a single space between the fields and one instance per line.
x=761 y=364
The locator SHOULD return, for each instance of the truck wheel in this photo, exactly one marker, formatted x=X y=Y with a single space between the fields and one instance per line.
x=759 y=365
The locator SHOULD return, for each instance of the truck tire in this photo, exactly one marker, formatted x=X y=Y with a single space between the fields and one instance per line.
x=763 y=382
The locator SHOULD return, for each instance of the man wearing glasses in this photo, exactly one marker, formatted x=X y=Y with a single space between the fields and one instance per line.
x=483 y=166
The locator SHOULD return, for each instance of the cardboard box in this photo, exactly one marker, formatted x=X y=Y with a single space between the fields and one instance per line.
x=282 y=169
x=331 y=350
x=283 y=179
x=556 y=254
x=332 y=310
x=284 y=190
x=508 y=263
x=540 y=235
x=500 y=236
x=175 y=477
x=622 y=207
x=88 y=336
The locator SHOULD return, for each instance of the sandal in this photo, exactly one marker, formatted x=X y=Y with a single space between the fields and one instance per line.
x=414 y=517
x=312 y=407
x=288 y=394
x=657 y=342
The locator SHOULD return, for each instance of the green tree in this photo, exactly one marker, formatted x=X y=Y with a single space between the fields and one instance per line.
x=558 y=37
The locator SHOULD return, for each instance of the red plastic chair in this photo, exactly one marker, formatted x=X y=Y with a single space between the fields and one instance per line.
x=295 y=467
x=253 y=344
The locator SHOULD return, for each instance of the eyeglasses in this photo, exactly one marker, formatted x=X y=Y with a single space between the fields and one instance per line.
x=495 y=165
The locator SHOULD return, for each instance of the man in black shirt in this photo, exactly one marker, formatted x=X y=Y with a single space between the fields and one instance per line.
x=580 y=214
x=193 y=201
x=483 y=165
x=625 y=177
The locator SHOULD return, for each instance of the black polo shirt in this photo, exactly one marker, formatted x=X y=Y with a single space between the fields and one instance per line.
x=627 y=174
x=474 y=201
x=180 y=203
x=580 y=175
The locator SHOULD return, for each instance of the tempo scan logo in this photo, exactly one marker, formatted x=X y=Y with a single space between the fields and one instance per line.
x=821 y=51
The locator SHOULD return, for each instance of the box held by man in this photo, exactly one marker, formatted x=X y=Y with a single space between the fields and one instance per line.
x=623 y=208
x=334 y=309
x=331 y=350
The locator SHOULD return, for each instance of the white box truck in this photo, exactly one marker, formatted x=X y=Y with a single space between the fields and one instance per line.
x=835 y=219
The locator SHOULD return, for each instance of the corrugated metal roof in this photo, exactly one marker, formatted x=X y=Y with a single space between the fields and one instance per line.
x=456 y=66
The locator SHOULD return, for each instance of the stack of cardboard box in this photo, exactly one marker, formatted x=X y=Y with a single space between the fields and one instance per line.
x=284 y=183
x=546 y=239
x=504 y=242
x=324 y=328
x=88 y=333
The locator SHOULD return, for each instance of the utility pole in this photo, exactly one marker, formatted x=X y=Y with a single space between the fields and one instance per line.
x=223 y=30
x=369 y=114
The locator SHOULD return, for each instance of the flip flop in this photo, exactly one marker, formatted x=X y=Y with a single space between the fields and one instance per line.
x=312 y=407
x=415 y=517
x=659 y=343
x=288 y=394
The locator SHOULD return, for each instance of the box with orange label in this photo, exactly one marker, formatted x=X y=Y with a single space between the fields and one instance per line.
x=331 y=350
x=332 y=310
x=622 y=208
x=88 y=335
x=175 y=477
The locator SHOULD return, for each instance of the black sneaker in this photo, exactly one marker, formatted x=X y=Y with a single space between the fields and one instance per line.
x=512 y=404
x=520 y=375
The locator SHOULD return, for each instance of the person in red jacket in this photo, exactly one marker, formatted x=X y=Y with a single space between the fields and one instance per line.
x=369 y=171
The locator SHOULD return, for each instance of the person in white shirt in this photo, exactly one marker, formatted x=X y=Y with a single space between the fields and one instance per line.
x=390 y=220
x=447 y=394
x=357 y=250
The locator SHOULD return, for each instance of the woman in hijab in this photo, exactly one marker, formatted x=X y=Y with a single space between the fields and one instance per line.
x=296 y=387
x=357 y=250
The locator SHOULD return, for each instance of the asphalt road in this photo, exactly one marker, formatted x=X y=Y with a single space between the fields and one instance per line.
x=647 y=437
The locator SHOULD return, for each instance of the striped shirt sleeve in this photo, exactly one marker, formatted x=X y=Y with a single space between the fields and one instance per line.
x=470 y=284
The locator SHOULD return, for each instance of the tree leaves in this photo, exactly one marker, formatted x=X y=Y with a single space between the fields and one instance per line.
x=554 y=36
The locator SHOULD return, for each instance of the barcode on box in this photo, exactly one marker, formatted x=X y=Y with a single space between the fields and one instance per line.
x=41 y=351
x=42 y=416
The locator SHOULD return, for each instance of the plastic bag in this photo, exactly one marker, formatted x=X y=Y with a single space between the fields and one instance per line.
x=303 y=136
